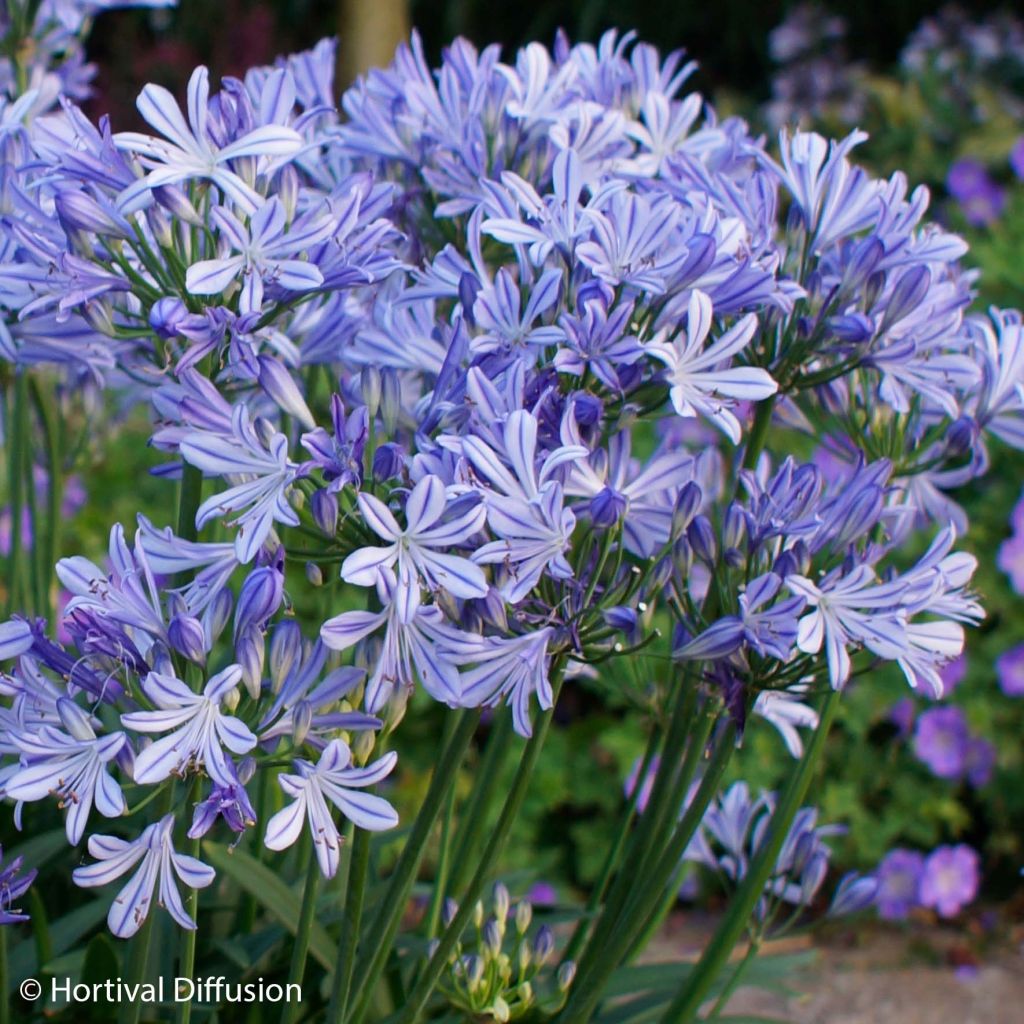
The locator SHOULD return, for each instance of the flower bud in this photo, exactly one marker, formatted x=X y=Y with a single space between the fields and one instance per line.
x=246 y=769
x=324 y=508
x=80 y=211
x=451 y=908
x=250 y=652
x=501 y=901
x=607 y=507
x=314 y=575
x=388 y=462
x=621 y=618
x=524 y=915
x=259 y=598
x=302 y=719
x=492 y=937
x=230 y=699
x=543 y=945
x=688 y=502
x=285 y=651
x=474 y=966
x=217 y=614
x=177 y=204
x=279 y=385
x=186 y=635
x=500 y=1010
x=371 y=389
x=390 y=400
x=566 y=974
x=961 y=437
x=701 y=537
x=478 y=914
x=166 y=315
x=288 y=190
x=363 y=746
x=97 y=315
x=587 y=408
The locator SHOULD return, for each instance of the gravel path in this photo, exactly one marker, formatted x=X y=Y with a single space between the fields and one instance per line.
x=885 y=976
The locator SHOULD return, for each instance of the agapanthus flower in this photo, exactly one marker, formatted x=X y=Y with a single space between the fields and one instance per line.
x=432 y=522
x=188 y=151
x=267 y=474
x=333 y=778
x=262 y=253
x=72 y=765
x=160 y=864
x=950 y=879
x=197 y=726
x=700 y=382
x=13 y=885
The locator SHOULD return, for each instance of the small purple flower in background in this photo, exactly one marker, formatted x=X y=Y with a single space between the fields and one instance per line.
x=160 y=863
x=979 y=761
x=940 y=741
x=952 y=674
x=1010 y=671
x=950 y=879
x=1017 y=158
x=542 y=894
x=12 y=887
x=1011 y=560
x=899 y=880
x=980 y=198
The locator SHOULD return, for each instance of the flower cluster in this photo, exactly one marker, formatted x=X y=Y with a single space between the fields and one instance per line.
x=497 y=972
x=946 y=880
x=494 y=381
x=733 y=830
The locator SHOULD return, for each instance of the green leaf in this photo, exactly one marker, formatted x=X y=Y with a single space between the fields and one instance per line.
x=272 y=894
x=64 y=933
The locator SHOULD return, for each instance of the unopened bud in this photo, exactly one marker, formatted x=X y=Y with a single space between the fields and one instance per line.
x=324 y=507
x=566 y=974
x=314 y=574
x=524 y=915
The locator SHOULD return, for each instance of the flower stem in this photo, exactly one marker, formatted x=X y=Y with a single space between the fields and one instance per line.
x=477 y=813
x=388 y=918
x=187 y=959
x=413 y=1008
x=351 y=921
x=189 y=499
x=697 y=985
x=16 y=438
x=300 y=950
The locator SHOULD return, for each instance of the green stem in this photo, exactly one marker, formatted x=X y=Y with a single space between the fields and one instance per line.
x=44 y=406
x=140 y=945
x=16 y=438
x=341 y=883
x=297 y=970
x=582 y=931
x=351 y=921
x=386 y=923
x=5 y=1004
x=620 y=939
x=730 y=986
x=517 y=793
x=443 y=857
x=759 y=432
x=697 y=985
x=473 y=820
x=190 y=497
x=187 y=960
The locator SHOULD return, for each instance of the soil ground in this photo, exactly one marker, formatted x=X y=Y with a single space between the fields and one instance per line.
x=918 y=974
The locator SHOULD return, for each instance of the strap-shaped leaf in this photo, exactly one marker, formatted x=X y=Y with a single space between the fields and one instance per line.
x=272 y=894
